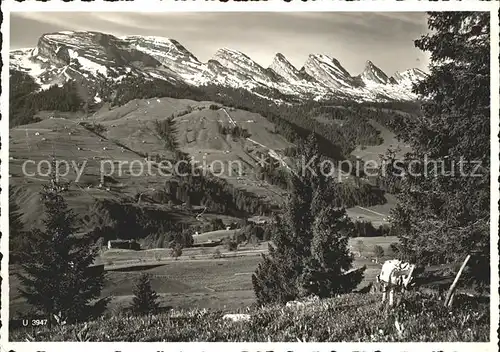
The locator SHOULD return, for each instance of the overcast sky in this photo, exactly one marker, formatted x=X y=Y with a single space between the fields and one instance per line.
x=384 y=38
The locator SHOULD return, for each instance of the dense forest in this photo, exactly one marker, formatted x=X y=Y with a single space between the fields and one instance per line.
x=127 y=220
x=216 y=194
x=26 y=98
x=341 y=194
x=133 y=87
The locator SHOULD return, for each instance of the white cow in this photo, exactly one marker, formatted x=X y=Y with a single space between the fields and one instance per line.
x=395 y=275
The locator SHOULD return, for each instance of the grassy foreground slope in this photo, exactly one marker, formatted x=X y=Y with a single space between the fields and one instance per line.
x=351 y=317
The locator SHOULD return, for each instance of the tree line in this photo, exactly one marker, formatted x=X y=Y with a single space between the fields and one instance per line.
x=341 y=194
x=215 y=194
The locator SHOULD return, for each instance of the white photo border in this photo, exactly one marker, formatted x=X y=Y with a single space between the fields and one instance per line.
x=10 y=6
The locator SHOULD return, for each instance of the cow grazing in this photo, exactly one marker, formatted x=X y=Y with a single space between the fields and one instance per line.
x=395 y=276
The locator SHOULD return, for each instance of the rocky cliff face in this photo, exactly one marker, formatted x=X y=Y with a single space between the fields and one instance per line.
x=329 y=72
x=374 y=75
x=282 y=67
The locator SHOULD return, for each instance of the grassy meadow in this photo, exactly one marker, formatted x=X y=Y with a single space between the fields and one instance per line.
x=347 y=318
x=212 y=278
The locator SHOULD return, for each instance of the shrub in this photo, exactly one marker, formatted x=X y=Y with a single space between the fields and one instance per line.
x=395 y=247
x=217 y=254
x=360 y=247
x=268 y=232
x=96 y=128
x=241 y=237
x=253 y=231
x=176 y=251
x=378 y=252
x=386 y=230
x=231 y=244
x=217 y=224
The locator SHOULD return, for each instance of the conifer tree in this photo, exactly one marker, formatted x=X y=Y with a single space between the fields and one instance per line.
x=443 y=214
x=145 y=299
x=16 y=229
x=56 y=275
x=309 y=252
x=326 y=271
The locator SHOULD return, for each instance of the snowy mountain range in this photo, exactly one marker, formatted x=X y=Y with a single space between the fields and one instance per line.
x=93 y=56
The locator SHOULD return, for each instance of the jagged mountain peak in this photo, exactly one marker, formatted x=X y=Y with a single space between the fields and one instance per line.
x=280 y=56
x=408 y=77
x=329 y=61
x=328 y=71
x=231 y=52
x=285 y=69
x=241 y=64
x=412 y=71
x=232 y=58
x=94 y=57
x=369 y=64
x=374 y=75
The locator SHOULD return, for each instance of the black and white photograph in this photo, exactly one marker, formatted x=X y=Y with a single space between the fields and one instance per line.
x=250 y=177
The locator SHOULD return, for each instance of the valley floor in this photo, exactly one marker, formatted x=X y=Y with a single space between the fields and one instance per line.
x=198 y=279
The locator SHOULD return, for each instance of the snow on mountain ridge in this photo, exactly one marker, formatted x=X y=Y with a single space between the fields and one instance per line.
x=93 y=55
x=408 y=77
x=284 y=68
x=373 y=74
x=328 y=71
x=239 y=61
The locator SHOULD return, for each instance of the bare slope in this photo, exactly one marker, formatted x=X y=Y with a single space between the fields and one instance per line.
x=390 y=141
